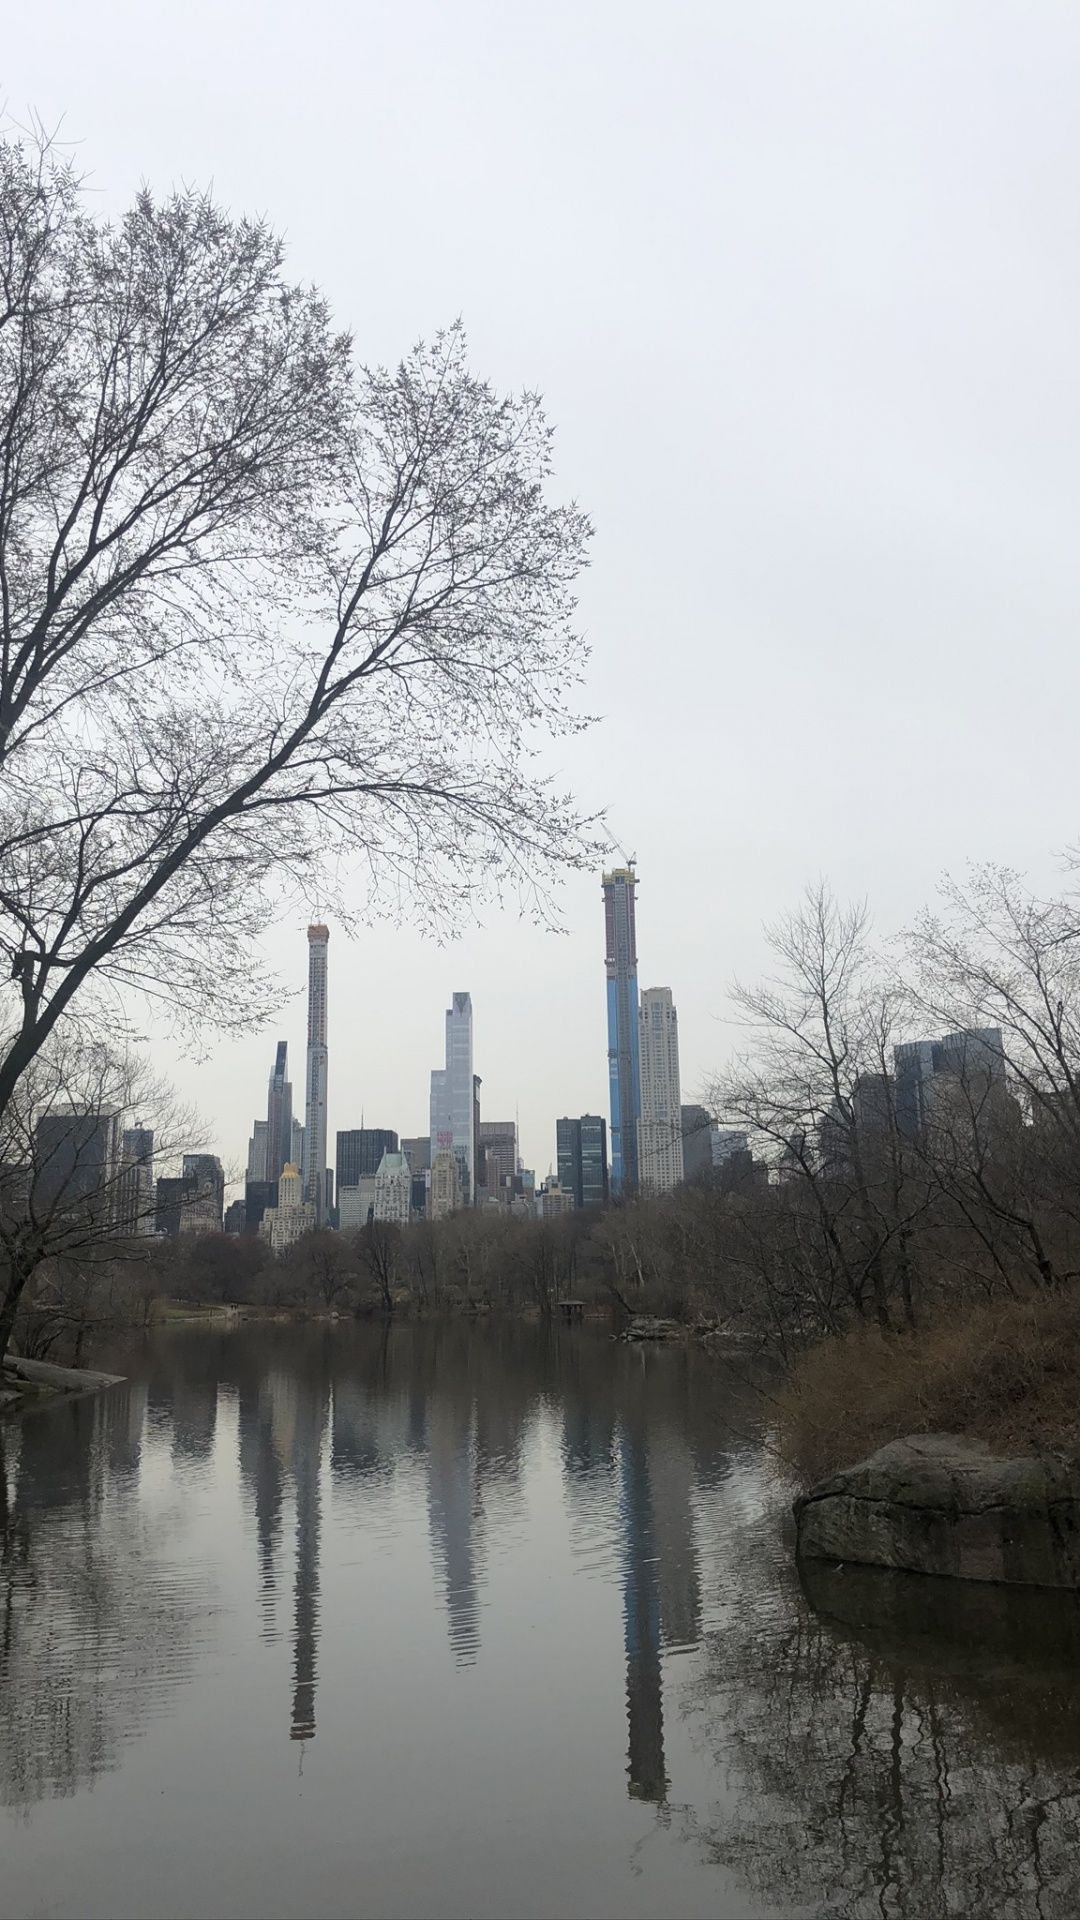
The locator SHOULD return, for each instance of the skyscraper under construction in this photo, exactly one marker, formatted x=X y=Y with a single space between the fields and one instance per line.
x=624 y=1072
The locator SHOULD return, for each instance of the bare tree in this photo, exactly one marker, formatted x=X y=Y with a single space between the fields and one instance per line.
x=268 y=622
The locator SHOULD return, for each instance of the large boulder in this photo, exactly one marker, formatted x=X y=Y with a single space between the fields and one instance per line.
x=939 y=1504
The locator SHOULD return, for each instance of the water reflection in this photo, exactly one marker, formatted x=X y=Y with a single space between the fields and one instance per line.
x=873 y=1743
x=100 y=1615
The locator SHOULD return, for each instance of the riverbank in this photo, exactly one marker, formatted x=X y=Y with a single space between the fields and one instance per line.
x=1004 y=1372
x=31 y=1383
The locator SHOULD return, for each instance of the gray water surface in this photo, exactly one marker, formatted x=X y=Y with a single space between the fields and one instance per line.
x=452 y=1620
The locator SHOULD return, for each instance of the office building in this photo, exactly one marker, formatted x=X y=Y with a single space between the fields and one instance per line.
x=296 y=1156
x=553 y=1199
x=135 y=1197
x=356 y=1204
x=417 y=1151
x=581 y=1147
x=696 y=1126
x=660 y=1153
x=453 y=1097
x=359 y=1153
x=444 y=1193
x=258 y=1195
x=971 y=1061
x=76 y=1157
x=235 y=1217
x=279 y=1118
x=393 y=1190
x=624 y=1075
x=256 y=1160
x=497 y=1156
x=203 y=1199
x=314 y=1163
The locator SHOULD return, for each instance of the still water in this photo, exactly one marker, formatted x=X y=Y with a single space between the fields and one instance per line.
x=491 y=1621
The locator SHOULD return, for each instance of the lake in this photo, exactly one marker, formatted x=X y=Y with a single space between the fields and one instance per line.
x=460 y=1620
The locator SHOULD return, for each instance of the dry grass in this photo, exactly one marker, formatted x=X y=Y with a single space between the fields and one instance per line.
x=1007 y=1372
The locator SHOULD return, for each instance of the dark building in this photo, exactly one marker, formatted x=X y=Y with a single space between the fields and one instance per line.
x=697 y=1146
x=279 y=1115
x=235 y=1216
x=418 y=1153
x=581 y=1146
x=204 y=1198
x=75 y=1163
x=359 y=1152
x=972 y=1059
x=170 y=1199
x=258 y=1195
x=497 y=1151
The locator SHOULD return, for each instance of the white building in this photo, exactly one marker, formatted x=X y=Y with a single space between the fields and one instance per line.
x=314 y=1143
x=393 y=1189
x=288 y=1222
x=660 y=1149
x=453 y=1111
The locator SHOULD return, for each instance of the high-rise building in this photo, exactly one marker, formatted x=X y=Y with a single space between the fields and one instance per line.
x=697 y=1146
x=296 y=1157
x=973 y=1059
x=624 y=1074
x=135 y=1198
x=314 y=1162
x=279 y=1115
x=76 y=1157
x=293 y=1216
x=359 y=1153
x=660 y=1150
x=453 y=1094
x=256 y=1160
x=444 y=1193
x=203 y=1200
x=417 y=1151
x=496 y=1154
x=582 y=1159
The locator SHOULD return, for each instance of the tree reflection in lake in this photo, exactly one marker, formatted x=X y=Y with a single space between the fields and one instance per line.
x=98 y=1616
x=901 y=1745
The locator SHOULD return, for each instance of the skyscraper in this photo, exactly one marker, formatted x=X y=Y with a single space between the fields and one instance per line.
x=315 y=1110
x=582 y=1157
x=135 y=1199
x=622 y=1012
x=279 y=1115
x=660 y=1148
x=453 y=1111
x=359 y=1152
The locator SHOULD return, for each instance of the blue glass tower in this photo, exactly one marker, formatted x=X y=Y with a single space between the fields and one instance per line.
x=624 y=1072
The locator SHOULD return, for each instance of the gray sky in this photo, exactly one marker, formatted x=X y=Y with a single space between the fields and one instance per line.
x=800 y=286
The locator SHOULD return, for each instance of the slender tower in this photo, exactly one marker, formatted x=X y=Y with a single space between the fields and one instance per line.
x=315 y=1113
x=624 y=1073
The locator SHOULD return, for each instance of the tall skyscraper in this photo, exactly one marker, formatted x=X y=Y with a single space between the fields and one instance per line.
x=315 y=1110
x=660 y=1148
x=624 y=1074
x=256 y=1161
x=279 y=1115
x=453 y=1110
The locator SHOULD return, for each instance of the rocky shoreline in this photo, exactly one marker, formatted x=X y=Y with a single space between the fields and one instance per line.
x=32 y=1383
x=943 y=1504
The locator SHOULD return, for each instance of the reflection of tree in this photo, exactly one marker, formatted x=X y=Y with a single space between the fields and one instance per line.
x=913 y=1748
x=96 y=1619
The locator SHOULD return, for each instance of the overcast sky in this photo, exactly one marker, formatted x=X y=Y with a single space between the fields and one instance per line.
x=799 y=284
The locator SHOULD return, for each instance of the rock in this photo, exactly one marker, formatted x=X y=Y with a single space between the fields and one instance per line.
x=936 y=1503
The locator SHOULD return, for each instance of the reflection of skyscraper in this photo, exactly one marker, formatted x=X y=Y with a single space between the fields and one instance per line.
x=620 y=961
x=315 y=1111
x=310 y=1421
x=450 y=1511
x=641 y=1604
